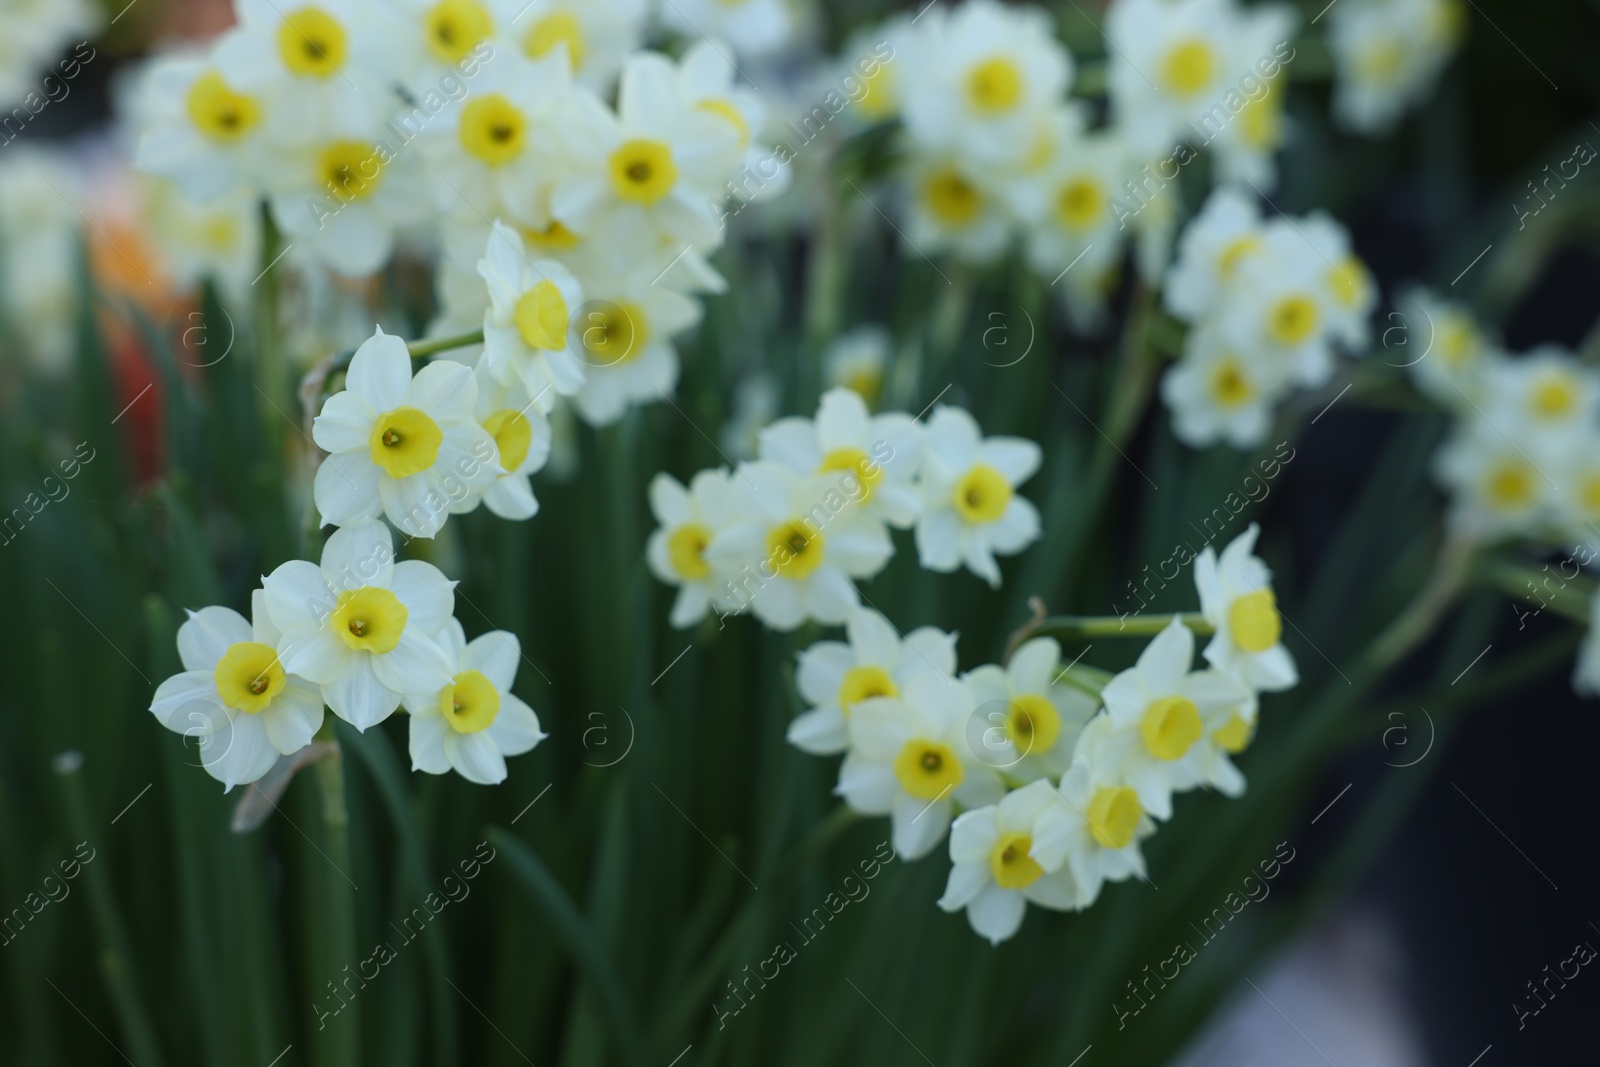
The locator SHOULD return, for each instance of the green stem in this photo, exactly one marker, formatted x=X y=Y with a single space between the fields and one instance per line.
x=1572 y=599
x=581 y=939
x=332 y=891
x=116 y=951
x=1079 y=627
x=433 y=346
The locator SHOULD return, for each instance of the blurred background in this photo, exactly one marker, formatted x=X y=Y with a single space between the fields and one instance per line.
x=1443 y=860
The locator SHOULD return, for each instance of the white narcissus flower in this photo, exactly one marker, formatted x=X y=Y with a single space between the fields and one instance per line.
x=624 y=337
x=882 y=451
x=707 y=77
x=401 y=446
x=1237 y=600
x=970 y=506
x=1497 y=489
x=1442 y=347
x=1031 y=720
x=199 y=129
x=1280 y=305
x=344 y=201
x=1387 y=55
x=1095 y=833
x=473 y=722
x=1351 y=292
x=796 y=546
x=652 y=170
x=952 y=205
x=1160 y=716
x=834 y=676
x=219 y=239
x=361 y=625
x=328 y=64
x=1546 y=399
x=441 y=37
x=1219 y=393
x=235 y=695
x=977 y=77
x=521 y=434
x=993 y=872
x=859 y=360
x=527 y=331
x=598 y=35
x=1223 y=235
x=910 y=759
x=1074 y=232
x=676 y=552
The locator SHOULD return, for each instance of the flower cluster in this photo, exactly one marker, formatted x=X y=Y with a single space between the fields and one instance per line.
x=362 y=634
x=1268 y=303
x=37 y=30
x=1059 y=773
x=786 y=534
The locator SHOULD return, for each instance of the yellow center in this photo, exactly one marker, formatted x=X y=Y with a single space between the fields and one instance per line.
x=351 y=170
x=793 y=550
x=454 y=28
x=248 y=676
x=513 y=435
x=1556 y=397
x=219 y=112
x=951 y=199
x=928 y=769
x=1382 y=62
x=541 y=317
x=1509 y=485
x=1010 y=863
x=1292 y=319
x=1234 y=253
x=493 y=129
x=982 y=494
x=1032 y=723
x=1170 y=725
x=877 y=98
x=1348 y=280
x=642 y=172
x=994 y=85
x=1188 y=67
x=1230 y=386
x=1233 y=735
x=1589 y=493
x=864 y=683
x=553 y=238
x=725 y=111
x=686 y=550
x=1253 y=621
x=312 y=43
x=1079 y=203
x=369 y=619
x=615 y=333
x=1114 y=815
x=404 y=442
x=558 y=28
x=1261 y=122
x=1458 y=340
x=469 y=703
x=866 y=471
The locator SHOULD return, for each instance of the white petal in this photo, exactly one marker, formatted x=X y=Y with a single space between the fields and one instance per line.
x=868 y=787
x=918 y=825
x=345 y=424
x=872 y=637
x=496 y=654
x=516 y=729
x=296 y=594
x=820 y=731
x=966 y=881
x=294 y=718
x=173 y=697
x=428 y=595
x=358 y=556
x=445 y=390
x=357 y=696
x=415 y=665
x=206 y=635
x=1016 y=458
x=996 y=913
x=380 y=371
x=345 y=489
x=427 y=744
x=476 y=757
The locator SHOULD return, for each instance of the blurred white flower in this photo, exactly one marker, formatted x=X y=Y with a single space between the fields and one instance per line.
x=1030 y=718
x=882 y=452
x=1236 y=598
x=1387 y=55
x=528 y=333
x=1095 y=832
x=521 y=434
x=1218 y=393
x=752 y=27
x=859 y=360
x=676 y=551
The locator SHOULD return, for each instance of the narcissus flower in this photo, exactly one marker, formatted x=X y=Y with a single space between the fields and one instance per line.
x=882 y=452
x=752 y=27
x=1387 y=56
x=235 y=696
x=970 y=506
x=1442 y=346
x=596 y=34
x=527 y=331
x=401 y=446
x=1096 y=830
x=835 y=676
x=521 y=434
x=994 y=874
x=676 y=552
x=1218 y=392
x=796 y=546
x=1545 y=398
x=1225 y=233
x=1498 y=489
x=1280 y=307
x=953 y=206
x=473 y=722
x=344 y=201
x=1236 y=598
x=1160 y=716
x=910 y=759
x=361 y=625
x=1030 y=718
x=859 y=361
